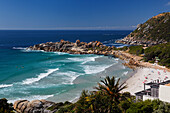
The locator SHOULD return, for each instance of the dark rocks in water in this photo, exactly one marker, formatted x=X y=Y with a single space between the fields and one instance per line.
x=66 y=46
x=94 y=47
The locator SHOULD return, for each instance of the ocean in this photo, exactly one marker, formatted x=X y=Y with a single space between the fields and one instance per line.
x=55 y=76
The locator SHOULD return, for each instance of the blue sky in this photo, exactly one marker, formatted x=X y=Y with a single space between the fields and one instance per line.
x=78 y=14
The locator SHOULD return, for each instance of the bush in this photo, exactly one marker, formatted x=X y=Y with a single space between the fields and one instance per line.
x=137 y=50
x=5 y=107
x=123 y=48
x=162 y=51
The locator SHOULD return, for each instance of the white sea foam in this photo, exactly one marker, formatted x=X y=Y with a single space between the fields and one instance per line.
x=18 y=48
x=30 y=98
x=116 y=59
x=39 y=77
x=123 y=67
x=70 y=76
x=29 y=50
x=5 y=85
x=84 y=59
x=95 y=69
x=60 y=53
x=125 y=73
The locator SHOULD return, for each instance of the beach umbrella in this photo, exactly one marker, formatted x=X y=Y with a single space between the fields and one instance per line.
x=158 y=72
x=164 y=71
x=165 y=77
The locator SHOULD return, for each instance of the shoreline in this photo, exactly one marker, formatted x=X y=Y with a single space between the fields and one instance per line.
x=129 y=60
x=95 y=47
x=143 y=75
x=95 y=78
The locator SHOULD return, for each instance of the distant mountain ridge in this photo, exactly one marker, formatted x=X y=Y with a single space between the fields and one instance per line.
x=154 y=31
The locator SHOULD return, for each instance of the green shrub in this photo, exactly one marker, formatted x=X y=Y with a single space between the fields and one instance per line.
x=162 y=51
x=5 y=107
x=123 y=48
x=137 y=50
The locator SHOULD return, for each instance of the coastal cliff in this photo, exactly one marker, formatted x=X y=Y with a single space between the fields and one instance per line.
x=154 y=31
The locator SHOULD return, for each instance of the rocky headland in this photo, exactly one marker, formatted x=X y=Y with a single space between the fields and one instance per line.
x=154 y=31
x=94 y=47
x=133 y=41
x=70 y=47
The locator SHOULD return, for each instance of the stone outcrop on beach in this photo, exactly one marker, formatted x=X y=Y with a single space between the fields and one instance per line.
x=154 y=31
x=35 y=106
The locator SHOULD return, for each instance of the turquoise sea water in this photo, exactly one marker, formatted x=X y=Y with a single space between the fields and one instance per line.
x=54 y=76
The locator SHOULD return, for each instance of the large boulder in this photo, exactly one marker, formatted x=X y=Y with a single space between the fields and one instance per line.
x=77 y=41
x=98 y=44
x=35 y=106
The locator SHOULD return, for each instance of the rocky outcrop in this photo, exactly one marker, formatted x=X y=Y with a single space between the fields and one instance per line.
x=133 y=41
x=35 y=106
x=94 y=47
x=154 y=31
x=69 y=47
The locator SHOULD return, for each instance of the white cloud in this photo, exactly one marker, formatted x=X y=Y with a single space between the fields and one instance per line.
x=168 y=4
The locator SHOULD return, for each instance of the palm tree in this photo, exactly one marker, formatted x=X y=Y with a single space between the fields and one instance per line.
x=111 y=88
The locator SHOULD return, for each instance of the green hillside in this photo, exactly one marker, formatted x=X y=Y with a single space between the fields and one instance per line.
x=157 y=28
x=154 y=31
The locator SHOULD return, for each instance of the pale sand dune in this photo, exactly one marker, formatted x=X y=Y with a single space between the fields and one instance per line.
x=135 y=83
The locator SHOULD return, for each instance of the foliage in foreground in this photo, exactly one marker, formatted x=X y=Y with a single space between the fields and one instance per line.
x=5 y=107
x=108 y=99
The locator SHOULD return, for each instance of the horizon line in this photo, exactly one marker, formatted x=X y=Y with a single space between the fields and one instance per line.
x=66 y=29
x=78 y=28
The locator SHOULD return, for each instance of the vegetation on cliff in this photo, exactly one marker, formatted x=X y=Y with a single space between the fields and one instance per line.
x=136 y=50
x=159 y=53
x=154 y=31
x=156 y=28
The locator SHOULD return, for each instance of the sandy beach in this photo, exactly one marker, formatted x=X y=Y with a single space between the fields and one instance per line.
x=144 y=75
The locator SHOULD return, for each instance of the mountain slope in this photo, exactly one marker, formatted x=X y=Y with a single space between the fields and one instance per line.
x=156 y=30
